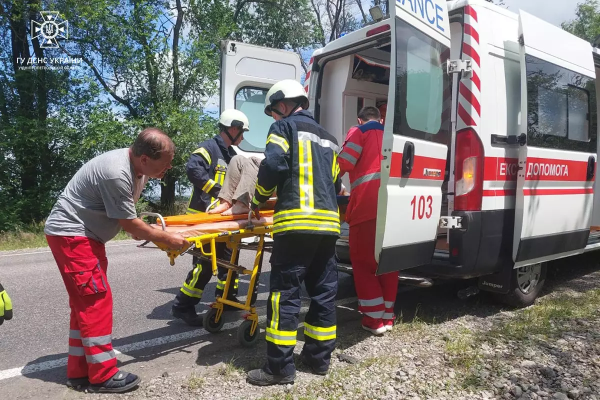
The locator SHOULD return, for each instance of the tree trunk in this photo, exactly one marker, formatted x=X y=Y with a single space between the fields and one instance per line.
x=167 y=194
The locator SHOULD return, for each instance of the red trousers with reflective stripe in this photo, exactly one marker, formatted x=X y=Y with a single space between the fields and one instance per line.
x=82 y=264
x=376 y=294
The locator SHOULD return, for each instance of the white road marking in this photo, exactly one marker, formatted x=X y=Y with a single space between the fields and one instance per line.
x=197 y=333
x=48 y=251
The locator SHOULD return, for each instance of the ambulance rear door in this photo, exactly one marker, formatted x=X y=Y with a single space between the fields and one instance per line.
x=557 y=148
x=247 y=74
x=416 y=135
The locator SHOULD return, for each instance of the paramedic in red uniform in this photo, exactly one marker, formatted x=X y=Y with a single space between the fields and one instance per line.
x=361 y=158
x=97 y=202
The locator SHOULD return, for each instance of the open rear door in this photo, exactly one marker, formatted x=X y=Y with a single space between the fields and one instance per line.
x=247 y=74
x=557 y=152
x=415 y=137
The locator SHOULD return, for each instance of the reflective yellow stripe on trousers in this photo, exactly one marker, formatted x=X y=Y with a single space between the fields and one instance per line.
x=274 y=335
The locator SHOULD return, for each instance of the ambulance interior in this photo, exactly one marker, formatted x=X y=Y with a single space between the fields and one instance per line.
x=362 y=79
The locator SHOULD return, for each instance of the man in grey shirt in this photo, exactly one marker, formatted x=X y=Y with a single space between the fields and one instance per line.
x=97 y=202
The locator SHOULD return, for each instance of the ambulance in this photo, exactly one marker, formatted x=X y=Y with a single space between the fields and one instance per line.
x=489 y=154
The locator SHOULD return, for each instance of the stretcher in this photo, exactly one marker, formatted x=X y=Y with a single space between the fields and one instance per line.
x=202 y=238
x=203 y=231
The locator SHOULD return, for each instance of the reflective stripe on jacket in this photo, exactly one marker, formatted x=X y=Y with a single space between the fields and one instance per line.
x=206 y=170
x=301 y=164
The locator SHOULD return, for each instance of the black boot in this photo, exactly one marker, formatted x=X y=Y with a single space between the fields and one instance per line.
x=259 y=377
x=188 y=316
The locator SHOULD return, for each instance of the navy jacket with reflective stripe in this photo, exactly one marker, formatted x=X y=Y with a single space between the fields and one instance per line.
x=202 y=172
x=301 y=164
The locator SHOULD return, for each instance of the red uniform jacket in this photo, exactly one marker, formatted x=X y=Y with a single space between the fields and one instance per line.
x=361 y=158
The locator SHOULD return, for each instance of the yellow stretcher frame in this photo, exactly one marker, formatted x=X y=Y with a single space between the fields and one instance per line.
x=213 y=321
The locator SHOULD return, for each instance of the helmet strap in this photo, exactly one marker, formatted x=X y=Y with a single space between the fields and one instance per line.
x=232 y=139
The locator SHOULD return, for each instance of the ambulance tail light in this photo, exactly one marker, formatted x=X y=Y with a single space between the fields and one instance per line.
x=468 y=171
x=378 y=30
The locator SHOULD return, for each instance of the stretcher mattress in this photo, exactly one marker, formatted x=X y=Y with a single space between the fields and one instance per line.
x=203 y=218
x=215 y=225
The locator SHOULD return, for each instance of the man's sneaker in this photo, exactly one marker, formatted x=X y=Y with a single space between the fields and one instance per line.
x=375 y=326
x=389 y=324
x=188 y=316
x=259 y=377
x=305 y=360
x=78 y=383
x=119 y=383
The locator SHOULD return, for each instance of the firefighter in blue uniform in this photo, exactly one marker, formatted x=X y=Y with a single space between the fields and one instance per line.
x=206 y=170
x=301 y=164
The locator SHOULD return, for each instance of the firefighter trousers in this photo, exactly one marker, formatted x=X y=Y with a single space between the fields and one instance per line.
x=298 y=258
x=191 y=292
x=82 y=264
x=376 y=294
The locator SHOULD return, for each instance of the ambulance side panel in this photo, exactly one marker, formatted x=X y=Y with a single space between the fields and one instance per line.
x=557 y=163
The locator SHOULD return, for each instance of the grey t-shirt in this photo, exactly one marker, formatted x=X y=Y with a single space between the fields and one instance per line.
x=103 y=191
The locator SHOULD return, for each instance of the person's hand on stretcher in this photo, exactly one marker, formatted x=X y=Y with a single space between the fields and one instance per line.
x=142 y=231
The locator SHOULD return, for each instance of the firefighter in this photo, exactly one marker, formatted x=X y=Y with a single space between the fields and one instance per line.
x=6 y=311
x=96 y=204
x=301 y=164
x=206 y=170
x=361 y=158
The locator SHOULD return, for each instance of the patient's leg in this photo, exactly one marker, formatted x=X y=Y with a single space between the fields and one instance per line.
x=245 y=189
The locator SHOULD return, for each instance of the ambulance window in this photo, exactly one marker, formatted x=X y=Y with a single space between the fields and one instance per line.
x=578 y=108
x=560 y=107
x=424 y=87
x=420 y=86
x=251 y=101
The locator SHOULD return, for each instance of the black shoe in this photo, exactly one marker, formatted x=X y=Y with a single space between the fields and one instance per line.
x=119 y=383
x=78 y=383
x=188 y=316
x=306 y=361
x=259 y=377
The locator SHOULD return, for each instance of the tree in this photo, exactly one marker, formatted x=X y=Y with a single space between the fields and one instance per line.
x=586 y=25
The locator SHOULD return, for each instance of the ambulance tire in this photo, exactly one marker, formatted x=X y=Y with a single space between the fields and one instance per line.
x=243 y=334
x=523 y=293
x=209 y=322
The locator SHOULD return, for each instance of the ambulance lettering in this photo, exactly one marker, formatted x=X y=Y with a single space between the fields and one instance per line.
x=427 y=10
x=537 y=170
x=509 y=169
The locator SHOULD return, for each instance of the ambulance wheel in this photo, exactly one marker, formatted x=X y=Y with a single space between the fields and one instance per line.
x=526 y=285
x=243 y=334
x=209 y=321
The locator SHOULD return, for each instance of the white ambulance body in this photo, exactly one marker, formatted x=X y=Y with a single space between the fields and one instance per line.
x=489 y=152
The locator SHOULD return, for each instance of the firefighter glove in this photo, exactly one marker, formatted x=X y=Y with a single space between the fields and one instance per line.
x=5 y=305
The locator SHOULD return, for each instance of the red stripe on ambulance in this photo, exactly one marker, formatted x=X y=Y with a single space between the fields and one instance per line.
x=423 y=167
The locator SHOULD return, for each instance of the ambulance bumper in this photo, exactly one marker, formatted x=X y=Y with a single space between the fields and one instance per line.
x=480 y=248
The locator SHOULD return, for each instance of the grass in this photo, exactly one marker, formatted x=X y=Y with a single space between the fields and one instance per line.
x=32 y=237
x=549 y=316
x=195 y=382
x=230 y=370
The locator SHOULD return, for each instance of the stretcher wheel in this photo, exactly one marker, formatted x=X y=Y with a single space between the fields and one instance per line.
x=209 y=322
x=243 y=334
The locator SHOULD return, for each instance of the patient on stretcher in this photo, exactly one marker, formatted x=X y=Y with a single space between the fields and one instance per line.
x=238 y=186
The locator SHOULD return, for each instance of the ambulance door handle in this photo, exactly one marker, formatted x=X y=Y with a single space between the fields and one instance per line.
x=408 y=159
x=591 y=168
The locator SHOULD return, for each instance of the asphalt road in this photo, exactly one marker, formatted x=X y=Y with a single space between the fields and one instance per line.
x=33 y=345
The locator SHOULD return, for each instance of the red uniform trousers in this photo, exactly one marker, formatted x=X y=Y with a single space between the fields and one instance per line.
x=376 y=294
x=82 y=264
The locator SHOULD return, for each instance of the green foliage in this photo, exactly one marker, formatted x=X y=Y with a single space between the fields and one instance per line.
x=586 y=25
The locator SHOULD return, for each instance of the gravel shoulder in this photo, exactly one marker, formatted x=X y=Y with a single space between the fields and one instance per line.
x=441 y=348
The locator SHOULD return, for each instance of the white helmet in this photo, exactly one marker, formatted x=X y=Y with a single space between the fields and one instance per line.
x=285 y=89
x=232 y=117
